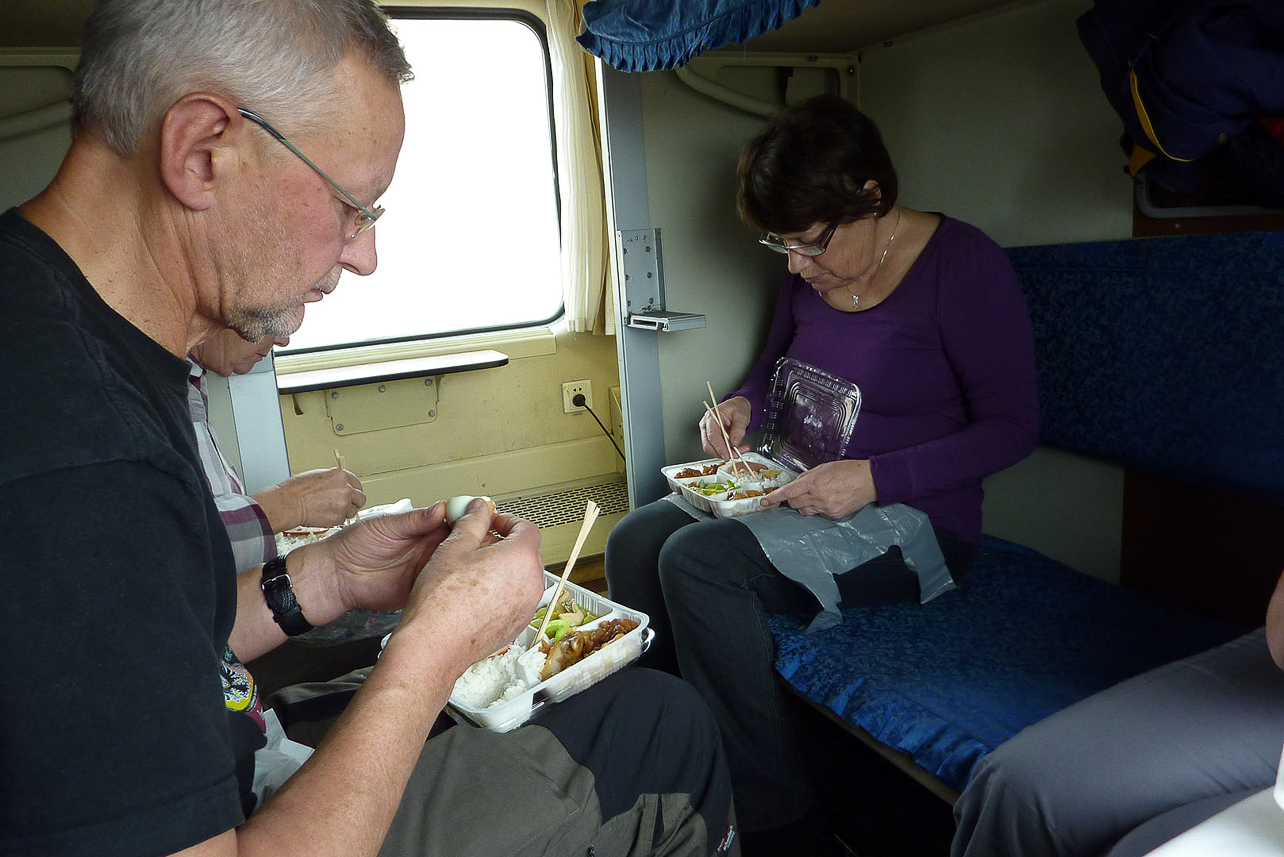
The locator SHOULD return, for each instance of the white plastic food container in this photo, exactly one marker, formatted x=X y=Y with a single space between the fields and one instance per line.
x=503 y=716
x=299 y=536
x=771 y=476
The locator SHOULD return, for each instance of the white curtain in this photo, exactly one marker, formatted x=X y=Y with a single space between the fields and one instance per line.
x=579 y=169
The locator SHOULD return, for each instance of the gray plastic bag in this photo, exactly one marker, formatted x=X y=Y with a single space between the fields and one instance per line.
x=813 y=550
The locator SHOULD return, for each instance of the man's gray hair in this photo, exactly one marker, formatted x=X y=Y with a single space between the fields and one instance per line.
x=271 y=56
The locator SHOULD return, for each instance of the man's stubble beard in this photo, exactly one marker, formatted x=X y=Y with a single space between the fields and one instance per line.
x=254 y=324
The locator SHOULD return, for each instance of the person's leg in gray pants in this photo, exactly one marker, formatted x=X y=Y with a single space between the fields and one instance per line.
x=1078 y=781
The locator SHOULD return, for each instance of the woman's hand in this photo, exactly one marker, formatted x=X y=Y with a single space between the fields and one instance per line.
x=318 y=498
x=832 y=490
x=735 y=419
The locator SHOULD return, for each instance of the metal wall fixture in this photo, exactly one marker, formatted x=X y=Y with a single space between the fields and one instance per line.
x=642 y=274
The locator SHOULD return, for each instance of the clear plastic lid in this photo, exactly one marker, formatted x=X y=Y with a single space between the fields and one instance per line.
x=810 y=415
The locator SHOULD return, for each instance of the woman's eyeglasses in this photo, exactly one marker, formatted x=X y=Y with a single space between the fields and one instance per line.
x=815 y=248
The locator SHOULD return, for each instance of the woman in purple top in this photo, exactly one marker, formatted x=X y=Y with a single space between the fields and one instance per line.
x=923 y=313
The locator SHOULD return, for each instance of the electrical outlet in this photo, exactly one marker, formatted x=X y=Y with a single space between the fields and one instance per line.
x=570 y=389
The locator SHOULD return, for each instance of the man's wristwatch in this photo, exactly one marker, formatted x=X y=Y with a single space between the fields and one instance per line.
x=278 y=592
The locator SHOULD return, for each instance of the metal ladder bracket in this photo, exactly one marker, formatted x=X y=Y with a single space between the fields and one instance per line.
x=642 y=273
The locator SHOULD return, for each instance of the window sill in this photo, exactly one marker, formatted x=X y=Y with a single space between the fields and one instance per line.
x=514 y=344
x=389 y=370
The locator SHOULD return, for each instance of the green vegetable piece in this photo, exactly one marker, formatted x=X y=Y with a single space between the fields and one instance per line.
x=557 y=628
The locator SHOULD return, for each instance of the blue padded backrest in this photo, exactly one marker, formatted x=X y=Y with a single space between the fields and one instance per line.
x=1164 y=353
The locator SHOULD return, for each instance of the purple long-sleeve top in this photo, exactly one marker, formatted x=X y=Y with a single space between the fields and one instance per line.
x=945 y=366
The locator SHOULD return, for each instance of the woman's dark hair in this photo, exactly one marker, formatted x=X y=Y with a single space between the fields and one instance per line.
x=810 y=165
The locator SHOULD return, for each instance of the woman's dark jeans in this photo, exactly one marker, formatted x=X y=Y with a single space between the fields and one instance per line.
x=707 y=588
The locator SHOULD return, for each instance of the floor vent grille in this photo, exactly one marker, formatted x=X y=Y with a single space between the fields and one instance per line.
x=567 y=507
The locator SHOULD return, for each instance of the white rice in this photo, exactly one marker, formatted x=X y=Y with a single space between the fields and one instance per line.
x=491 y=682
x=286 y=543
x=533 y=660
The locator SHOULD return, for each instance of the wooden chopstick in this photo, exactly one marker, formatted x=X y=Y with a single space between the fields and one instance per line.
x=737 y=460
x=338 y=461
x=590 y=515
x=735 y=453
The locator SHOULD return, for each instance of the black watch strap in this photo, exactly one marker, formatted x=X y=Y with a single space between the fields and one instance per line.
x=278 y=592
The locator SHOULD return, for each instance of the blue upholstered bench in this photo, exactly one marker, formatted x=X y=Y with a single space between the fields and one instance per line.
x=1164 y=355
x=948 y=681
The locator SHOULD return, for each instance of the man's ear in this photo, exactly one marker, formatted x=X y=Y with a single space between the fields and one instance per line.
x=195 y=135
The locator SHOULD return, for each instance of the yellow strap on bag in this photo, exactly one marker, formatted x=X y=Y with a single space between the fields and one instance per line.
x=1141 y=156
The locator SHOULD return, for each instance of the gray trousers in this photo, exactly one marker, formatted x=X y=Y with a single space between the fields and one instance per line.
x=632 y=766
x=1195 y=730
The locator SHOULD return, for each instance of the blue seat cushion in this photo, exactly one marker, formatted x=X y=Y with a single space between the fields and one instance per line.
x=1022 y=637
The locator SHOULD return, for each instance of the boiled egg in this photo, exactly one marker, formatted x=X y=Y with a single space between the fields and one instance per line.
x=457 y=506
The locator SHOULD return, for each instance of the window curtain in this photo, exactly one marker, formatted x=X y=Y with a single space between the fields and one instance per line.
x=579 y=169
x=646 y=35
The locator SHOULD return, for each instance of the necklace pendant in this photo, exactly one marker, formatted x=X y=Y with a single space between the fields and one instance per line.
x=855 y=301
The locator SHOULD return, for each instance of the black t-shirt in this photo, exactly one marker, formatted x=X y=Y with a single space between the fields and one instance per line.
x=119 y=582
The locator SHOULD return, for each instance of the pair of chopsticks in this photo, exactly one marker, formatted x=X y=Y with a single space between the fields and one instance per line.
x=590 y=515
x=737 y=459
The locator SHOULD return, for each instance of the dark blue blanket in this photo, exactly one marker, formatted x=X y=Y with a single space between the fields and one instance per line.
x=644 y=35
x=1021 y=638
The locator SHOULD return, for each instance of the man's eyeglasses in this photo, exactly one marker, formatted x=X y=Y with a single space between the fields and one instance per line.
x=816 y=248
x=363 y=219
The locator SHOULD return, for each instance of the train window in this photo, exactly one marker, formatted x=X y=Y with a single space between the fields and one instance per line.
x=470 y=241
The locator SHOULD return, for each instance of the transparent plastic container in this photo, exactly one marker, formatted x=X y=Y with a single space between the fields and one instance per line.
x=810 y=418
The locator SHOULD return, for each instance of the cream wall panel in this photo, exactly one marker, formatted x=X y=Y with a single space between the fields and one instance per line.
x=712 y=263
x=1001 y=121
x=1068 y=506
x=35 y=114
x=491 y=418
x=519 y=473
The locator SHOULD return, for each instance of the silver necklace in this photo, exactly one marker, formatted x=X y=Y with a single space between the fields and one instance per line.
x=879 y=266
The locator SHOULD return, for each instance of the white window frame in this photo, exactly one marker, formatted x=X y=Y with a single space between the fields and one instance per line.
x=520 y=340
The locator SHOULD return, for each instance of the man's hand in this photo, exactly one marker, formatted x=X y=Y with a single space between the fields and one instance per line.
x=477 y=582
x=317 y=498
x=735 y=419
x=832 y=490
x=481 y=586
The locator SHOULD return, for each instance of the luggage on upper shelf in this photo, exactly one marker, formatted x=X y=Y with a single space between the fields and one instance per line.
x=1200 y=88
